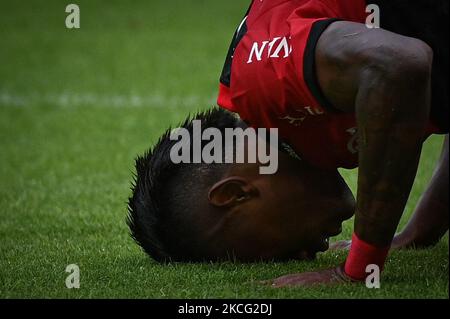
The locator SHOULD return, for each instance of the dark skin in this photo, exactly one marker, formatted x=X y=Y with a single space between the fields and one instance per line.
x=430 y=219
x=265 y=217
x=384 y=79
x=426 y=227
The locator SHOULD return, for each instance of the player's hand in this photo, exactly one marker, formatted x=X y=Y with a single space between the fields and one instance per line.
x=342 y=244
x=324 y=277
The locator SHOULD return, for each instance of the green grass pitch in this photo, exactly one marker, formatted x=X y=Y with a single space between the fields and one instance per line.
x=76 y=107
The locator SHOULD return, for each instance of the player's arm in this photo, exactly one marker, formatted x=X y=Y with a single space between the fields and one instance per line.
x=384 y=78
x=430 y=220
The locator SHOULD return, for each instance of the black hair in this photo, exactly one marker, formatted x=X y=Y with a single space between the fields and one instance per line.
x=164 y=195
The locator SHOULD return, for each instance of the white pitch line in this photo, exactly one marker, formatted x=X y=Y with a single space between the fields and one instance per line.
x=72 y=99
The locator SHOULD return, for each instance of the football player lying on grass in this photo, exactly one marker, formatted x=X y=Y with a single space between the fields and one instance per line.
x=341 y=95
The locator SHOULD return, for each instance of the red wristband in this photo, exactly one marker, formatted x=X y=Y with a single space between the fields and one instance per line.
x=363 y=254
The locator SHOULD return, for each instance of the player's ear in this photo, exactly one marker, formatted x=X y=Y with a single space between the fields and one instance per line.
x=231 y=191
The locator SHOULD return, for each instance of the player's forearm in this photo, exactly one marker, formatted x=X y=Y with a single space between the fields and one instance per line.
x=392 y=108
x=430 y=220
